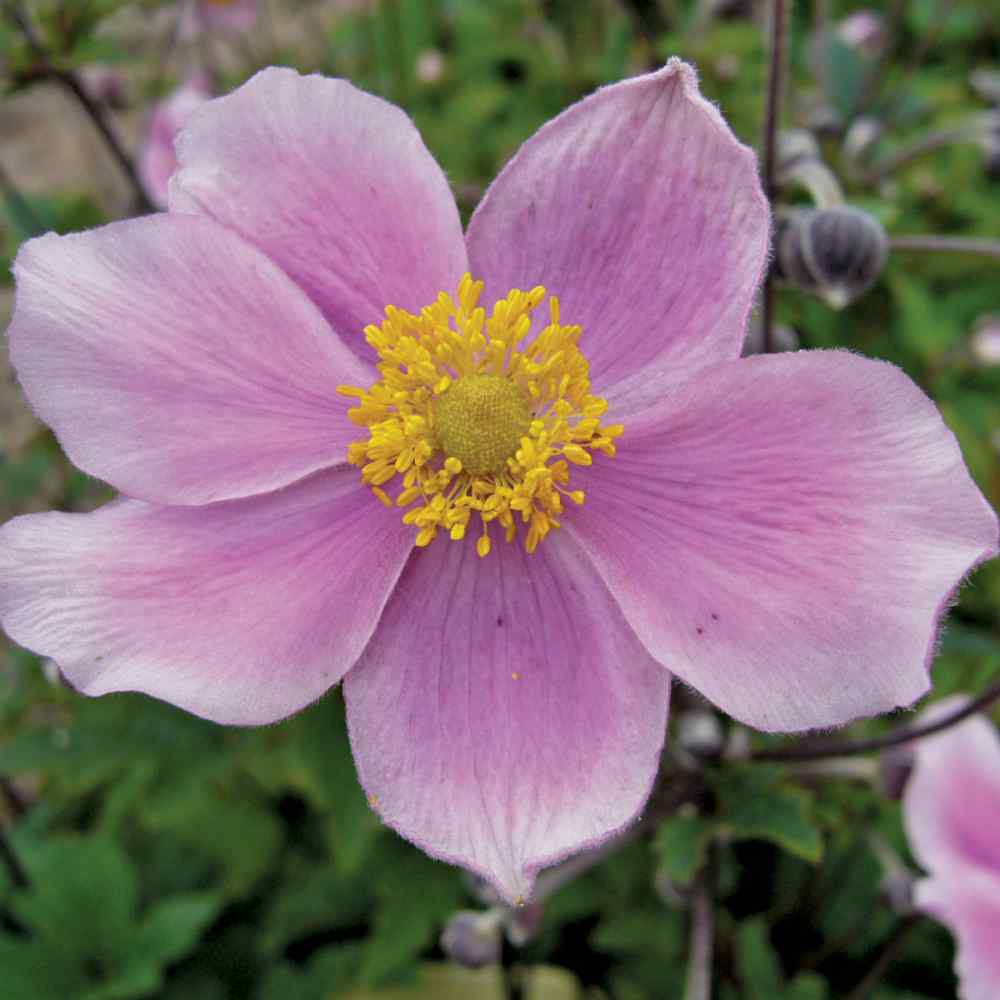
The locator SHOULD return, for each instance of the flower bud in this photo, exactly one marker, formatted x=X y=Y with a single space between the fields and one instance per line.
x=836 y=253
x=986 y=84
x=894 y=767
x=472 y=938
x=984 y=343
x=865 y=32
x=523 y=923
x=700 y=734
x=862 y=135
x=429 y=67
x=783 y=338
x=897 y=889
x=796 y=145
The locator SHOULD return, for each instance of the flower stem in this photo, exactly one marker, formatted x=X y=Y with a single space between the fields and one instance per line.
x=15 y=869
x=885 y=957
x=772 y=111
x=698 y=985
x=946 y=244
x=973 y=130
x=901 y=734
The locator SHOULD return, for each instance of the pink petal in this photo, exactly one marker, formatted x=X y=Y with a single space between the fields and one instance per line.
x=504 y=715
x=175 y=361
x=334 y=185
x=951 y=806
x=969 y=904
x=242 y=612
x=641 y=211
x=157 y=160
x=783 y=532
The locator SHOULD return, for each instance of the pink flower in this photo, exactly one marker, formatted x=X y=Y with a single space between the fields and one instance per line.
x=865 y=31
x=781 y=532
x=157 y=159
x=951 y=809
x=231 y=16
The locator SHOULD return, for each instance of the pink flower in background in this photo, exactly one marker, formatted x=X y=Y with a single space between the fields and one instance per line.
x=781 y=532
x=865 y=31
x=105 y=84
x=157 y=158
x=230 y=16
x=951 y=809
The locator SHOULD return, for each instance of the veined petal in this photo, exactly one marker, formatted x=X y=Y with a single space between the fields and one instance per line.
x=241 y=612
x=175 y=361
x=784 y=532
x=951 y=807
x=333 y=184
x=642 y=212
x=968 y=904
x=504 y=714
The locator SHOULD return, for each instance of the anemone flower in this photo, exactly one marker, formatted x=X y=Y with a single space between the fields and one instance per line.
x=157 y=159
x=506 y=524
x=951 y=809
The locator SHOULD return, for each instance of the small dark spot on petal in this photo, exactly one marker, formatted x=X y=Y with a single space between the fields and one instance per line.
x=715 y=617
x=700 y=630
x=499 y=621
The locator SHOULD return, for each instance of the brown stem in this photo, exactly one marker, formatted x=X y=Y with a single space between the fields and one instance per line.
x=698 y=984
x=772 y=112
x=71 y=83
x=946 y=244
x=901 y=734
x=885 y=958
x=16 y=870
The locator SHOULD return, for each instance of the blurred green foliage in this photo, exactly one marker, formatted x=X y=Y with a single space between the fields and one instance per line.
x=172 y=858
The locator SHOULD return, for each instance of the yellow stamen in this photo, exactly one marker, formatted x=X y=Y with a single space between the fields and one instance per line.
x=477 y=417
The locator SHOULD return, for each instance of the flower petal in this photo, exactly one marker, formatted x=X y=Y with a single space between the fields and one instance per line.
x=504 y=715
x=641 y=211
x=951 y=806
x=242 y=612
x=333 y=184
x=175 y=361
x=969 y=904
x=783 y=532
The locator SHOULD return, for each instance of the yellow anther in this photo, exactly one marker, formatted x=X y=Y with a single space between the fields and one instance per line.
x=478 y=416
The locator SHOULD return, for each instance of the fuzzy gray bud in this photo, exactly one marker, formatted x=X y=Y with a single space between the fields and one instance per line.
x=472 y=938
x=836 y=253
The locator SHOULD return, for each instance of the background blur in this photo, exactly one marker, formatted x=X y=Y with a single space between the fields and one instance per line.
x=171 y=858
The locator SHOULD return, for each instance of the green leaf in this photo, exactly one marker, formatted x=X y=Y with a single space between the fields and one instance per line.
x=416 y=896
x=72 y=876
x=680 y=845
x=85 y=941
x=328 y=973
x=311 y=755
x=807 y=986
x=435 y=982
x=173 y=926
x=753 y=805
x=760 y=969
x=222 y=821
x=313 y=899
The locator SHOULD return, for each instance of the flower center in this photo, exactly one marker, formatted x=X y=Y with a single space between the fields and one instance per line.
x=476 y=418
x=480 y=420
